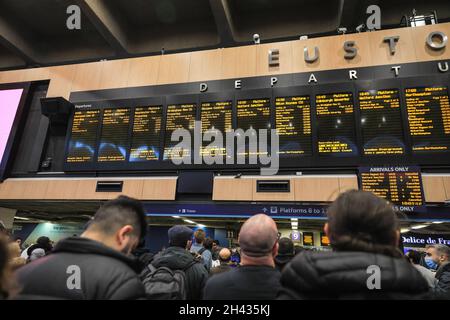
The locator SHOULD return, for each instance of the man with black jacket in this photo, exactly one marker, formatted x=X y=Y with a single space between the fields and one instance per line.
x=178 y=257
x=443 y=272
x=96 y=265
x=365 y=262
x=256 y=278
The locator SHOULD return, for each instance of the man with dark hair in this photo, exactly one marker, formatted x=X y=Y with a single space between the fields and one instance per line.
x=215 y=249
x=96 y=265
x=285 y=253
x=41 y=248
x=256 y=278
x=364 y=233
x=178 y=257
x=19 y=241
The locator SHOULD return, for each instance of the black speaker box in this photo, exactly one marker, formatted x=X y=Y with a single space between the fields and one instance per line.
x=57 y=109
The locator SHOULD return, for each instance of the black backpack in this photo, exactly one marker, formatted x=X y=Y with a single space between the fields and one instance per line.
x=165 y=284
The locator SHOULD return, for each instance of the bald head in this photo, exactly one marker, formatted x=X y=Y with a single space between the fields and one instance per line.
x=258 y=236
x=224 y=255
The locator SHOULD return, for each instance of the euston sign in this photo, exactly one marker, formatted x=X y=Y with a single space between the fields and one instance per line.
x=435 y=40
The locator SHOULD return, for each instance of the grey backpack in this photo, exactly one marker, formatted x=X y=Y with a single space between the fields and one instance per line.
x=165 y=284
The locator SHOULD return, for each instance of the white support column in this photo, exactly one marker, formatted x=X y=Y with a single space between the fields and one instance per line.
x=7 y=217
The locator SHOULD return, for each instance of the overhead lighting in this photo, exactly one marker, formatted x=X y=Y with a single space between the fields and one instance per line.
x=21 y=218
x=437 y=222
x=404 y=230
x=201 y=226
x=188 y=221
x=294 y=228
x=294 y=224
x=419 y=226
x=176 y=217
x=294 y=219
x=422 y=20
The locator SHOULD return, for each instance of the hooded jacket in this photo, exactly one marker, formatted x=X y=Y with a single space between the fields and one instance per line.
x=443 y=277
x=282 y=260
x=345 y=275
x=80 y=268
x=176 y=258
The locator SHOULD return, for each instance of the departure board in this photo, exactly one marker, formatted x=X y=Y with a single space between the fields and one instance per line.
x=114 y=136
x=83 y=136
x=179 y=116
x=381 y=122
x=429 y=119
x=400 y=185
x=308 y=238
x=146 y=134
x=293 y=125
x=253 y=114
x=216 y=117
x=335 y=124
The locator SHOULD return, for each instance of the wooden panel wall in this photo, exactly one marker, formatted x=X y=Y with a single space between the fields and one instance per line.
x=246 y=61
x=233 y=189
x=436 y=187
x=320 y=188
x=302 y=188
x=84 y=189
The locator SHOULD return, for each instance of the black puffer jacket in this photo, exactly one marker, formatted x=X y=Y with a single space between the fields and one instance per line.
x=104 y=273
x=282 y=260
x=176 y=258
x=443 y=276
x=343 y=275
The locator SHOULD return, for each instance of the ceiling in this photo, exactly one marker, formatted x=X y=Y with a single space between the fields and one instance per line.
x=34 y=33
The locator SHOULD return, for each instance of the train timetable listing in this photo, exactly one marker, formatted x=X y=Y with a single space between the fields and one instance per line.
x=146 y=134
x=336 y=124
x=253 y=114
x=83 y=136
x=179 y=116
x=293 y=125
x=381 y=122
x=400 y=185
x=114 y=136
x=429 y=118
x=216 y=117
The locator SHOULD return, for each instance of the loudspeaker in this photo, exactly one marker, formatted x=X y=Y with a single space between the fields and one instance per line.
x=57 y=109
x=195 y=182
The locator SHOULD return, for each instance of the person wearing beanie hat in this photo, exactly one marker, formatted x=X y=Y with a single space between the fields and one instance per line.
x=178 y=257
x=180 y=236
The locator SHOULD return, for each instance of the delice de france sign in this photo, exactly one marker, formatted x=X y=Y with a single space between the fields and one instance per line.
x=421 y=240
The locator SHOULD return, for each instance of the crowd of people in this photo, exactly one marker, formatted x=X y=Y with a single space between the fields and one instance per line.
x=109 y=260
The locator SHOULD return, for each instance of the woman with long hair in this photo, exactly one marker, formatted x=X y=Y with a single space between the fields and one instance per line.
x=365 y=263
